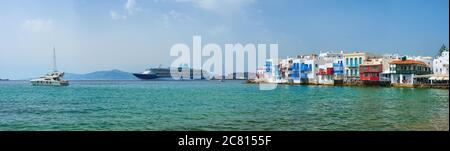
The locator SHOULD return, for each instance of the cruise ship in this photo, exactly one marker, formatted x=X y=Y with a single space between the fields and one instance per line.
x=160 y=73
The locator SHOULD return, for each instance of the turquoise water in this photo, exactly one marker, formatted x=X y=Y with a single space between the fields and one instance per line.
x=213 y=105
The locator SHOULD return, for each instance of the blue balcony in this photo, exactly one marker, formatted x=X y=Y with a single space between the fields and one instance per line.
x=305 y=67
x=294 y=75
x=295 y=67
x=268 y=66
x=338 y=68
x=304 y=76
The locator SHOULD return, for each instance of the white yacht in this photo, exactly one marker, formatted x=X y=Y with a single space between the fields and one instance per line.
x=53 y=78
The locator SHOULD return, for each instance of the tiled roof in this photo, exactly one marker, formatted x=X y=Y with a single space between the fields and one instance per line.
x=407 y=62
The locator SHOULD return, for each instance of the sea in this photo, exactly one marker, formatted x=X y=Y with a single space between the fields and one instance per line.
x=218 y=106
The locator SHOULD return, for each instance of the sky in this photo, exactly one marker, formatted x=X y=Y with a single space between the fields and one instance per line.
x=132 y=35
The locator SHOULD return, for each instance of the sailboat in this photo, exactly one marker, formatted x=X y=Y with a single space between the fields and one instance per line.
x=53 y=78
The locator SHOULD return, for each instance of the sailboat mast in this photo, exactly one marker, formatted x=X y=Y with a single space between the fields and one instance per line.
x=54 y=60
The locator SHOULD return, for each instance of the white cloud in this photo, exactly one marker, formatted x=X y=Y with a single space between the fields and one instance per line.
x=179 y=16
x=38 y=25
x=175 y=16
x=222 y=7
x=130 y=8
x=116 y=16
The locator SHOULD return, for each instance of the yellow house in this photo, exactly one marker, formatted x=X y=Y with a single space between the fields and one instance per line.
x=351 y=63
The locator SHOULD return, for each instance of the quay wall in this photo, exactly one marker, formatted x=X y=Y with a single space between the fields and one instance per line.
x=364 y=83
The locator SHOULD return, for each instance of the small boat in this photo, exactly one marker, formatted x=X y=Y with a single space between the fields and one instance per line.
x=53 y=78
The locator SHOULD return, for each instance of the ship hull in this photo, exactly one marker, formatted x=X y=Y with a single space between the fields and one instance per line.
x=145 y=76
x=50 y=83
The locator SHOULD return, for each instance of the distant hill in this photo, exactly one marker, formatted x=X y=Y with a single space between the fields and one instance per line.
x=101 y=75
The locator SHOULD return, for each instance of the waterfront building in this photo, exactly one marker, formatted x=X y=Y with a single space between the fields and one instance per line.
x=308 y=69
x=338 y=71
x=440 y=76
x=330 y=57
x=425 y=59
x=294 y=70
x=370 y=72
x=352 y=61
x=354 y=68
x=283 y=67
x=440 y=63
x=403 y=71
x=290 y=69
x=328 y=63
x=275 y=71
x=386 y=59
x=260 y=73
x=325 y=74
x=269 y=73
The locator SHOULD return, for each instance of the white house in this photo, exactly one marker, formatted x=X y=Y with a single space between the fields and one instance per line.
x=325 y=73
x=440 y=64
x=308 y=69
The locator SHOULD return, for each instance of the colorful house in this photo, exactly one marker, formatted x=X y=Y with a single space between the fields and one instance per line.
x=270 y=74
x=403 y=71
x=308 y=69
x=352 y=62
x=325 y=74
x=370 y=72
x=294 y=71
x=338 y=71
x=330 y=62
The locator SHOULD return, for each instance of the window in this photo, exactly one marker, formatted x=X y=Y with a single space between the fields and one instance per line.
x=360 y=60
x=356 y=61
x=351 y=61
x=346 y=61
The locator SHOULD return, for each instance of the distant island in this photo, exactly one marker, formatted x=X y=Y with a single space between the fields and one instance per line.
x=101 y=75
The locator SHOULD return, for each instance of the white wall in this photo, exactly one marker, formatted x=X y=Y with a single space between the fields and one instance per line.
x=440 y=64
